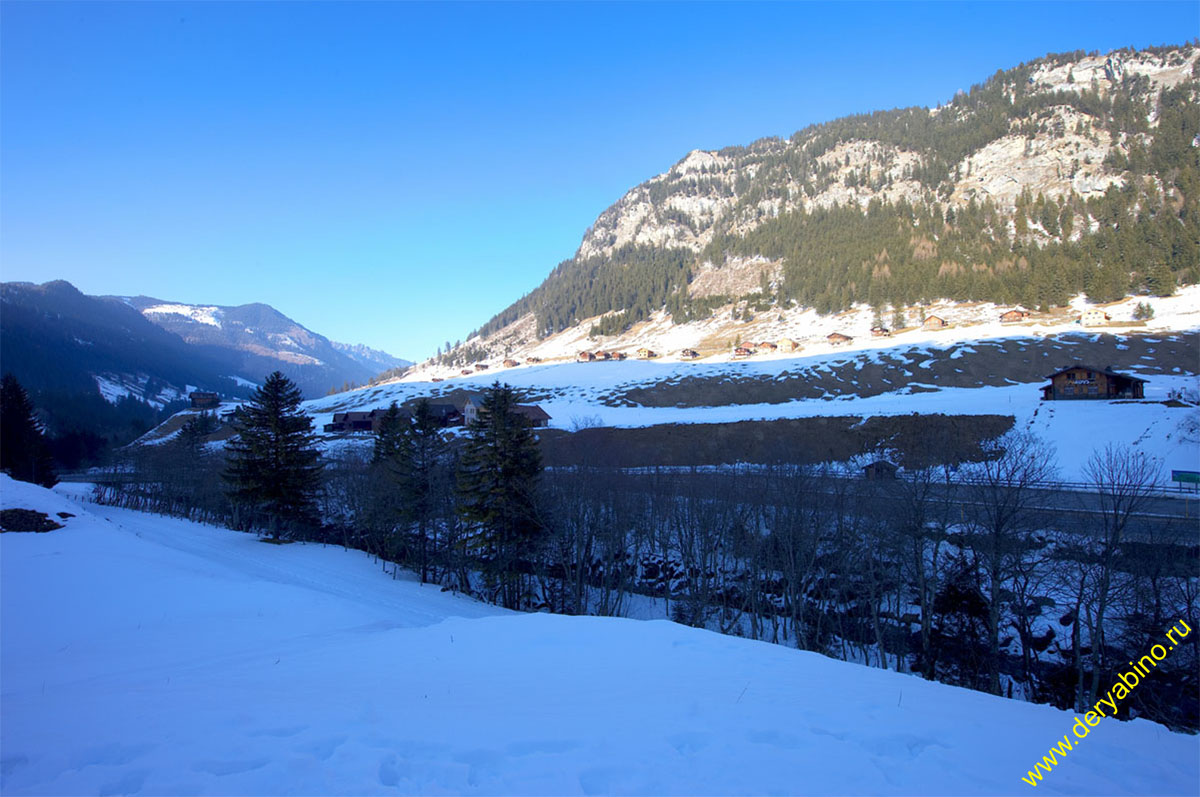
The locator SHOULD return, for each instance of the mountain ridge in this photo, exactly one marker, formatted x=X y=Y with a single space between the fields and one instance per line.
x=256 y=327
x=101 y=368
x=1009 y=193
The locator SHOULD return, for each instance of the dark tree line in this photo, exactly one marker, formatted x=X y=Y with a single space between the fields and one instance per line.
x=24 y=452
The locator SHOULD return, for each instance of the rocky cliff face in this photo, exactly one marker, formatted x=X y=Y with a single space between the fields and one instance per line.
x=1062 y=130
x=1053 y=151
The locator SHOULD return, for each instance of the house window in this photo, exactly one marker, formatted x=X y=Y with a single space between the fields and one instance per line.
x=1069 y=390
x=1093 y=390
x=1091 y=375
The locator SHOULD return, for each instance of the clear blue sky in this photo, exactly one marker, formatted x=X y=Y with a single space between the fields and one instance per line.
x=396 y=173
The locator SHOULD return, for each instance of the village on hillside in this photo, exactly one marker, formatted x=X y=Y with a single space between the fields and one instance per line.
x=722 y=339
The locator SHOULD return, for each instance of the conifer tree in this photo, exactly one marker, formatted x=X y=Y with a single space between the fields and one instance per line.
x=274 y=468
x=24 y=454
x=416 y=456
x=388 y=435
x=192 y=435
x=497 y=484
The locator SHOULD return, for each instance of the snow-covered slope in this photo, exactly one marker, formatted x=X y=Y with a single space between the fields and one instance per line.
x=144 y=655
x=715 y=338
x=980 y=368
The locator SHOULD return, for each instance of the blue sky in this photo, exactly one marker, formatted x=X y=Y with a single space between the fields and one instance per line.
x=396 y=173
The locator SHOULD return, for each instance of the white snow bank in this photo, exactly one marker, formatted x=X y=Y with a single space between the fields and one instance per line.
x=146 y=655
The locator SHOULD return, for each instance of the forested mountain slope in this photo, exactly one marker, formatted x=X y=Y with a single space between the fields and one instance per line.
x=103 y=369
x=1075 y=173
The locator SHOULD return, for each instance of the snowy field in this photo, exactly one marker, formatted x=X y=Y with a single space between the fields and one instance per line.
x=147 y=655
x=575 y=395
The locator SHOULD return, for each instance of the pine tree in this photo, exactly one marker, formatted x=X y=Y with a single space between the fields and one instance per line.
x=274 y=468
x=497 y=484
x=388 y=436
x=24 y=454
x=192 y=435
x=415 y=453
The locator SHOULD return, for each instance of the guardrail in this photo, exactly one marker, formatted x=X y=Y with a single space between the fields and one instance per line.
x=1158 y=489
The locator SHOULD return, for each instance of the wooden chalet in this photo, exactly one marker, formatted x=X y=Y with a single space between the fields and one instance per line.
x=619 y=355
x=446 y=414
x=742 y=351
x=879 y=470
x=1091 y=382
x=881 y=332
x=767 y=345
x=204 y=400
x=467 y=372
x=481 y=366
x=584 y=357
x=511 y=363
x=344 y=422
x=787 y=344
x=532 y=360
x=535 y=415
x=471 y=406
x=689 y=354
x=437 y=379
x=934 y=322
x=646 y=354
x=1094 y=318
x=838 y=339
x=603 y=356
x=1013 y=316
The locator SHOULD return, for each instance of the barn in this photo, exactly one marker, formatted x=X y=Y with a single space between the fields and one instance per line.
x=1092 y=382
x=204 y=400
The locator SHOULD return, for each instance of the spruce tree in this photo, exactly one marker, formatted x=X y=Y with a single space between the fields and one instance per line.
x=274 y=468
x=497 y=485
x=24 y=454
x=416 y=455
x=193 y=433
x=388 y=435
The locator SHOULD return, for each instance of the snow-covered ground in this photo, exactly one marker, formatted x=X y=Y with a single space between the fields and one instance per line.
x=967 y=321
x=148 y=655
x=575 y=394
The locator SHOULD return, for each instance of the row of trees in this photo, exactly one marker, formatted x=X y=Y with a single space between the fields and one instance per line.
x=272 y=477
x=959 y=575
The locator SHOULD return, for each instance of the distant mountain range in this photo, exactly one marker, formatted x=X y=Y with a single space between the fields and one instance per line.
x=101 y=363
x=260 y=339
x=374 y=359
x=1074 y=173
